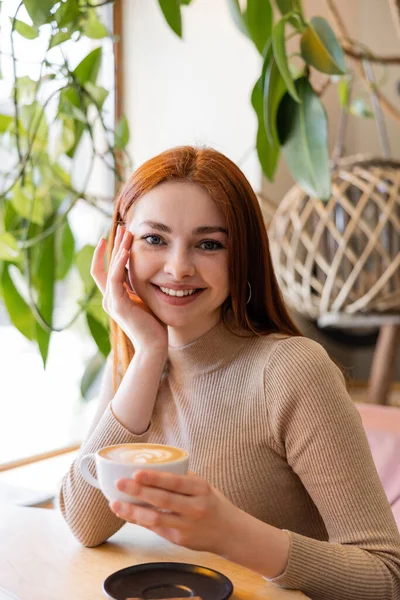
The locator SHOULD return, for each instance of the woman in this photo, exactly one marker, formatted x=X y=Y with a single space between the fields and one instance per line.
x=207 y=358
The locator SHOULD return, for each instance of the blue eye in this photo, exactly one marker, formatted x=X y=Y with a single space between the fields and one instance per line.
x=156 y=240
x=152 y=237
x=214 y=245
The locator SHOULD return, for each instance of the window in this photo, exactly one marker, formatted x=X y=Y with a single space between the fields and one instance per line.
x=41 y=410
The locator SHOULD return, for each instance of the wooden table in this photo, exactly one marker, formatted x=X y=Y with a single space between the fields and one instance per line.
x=41 y=560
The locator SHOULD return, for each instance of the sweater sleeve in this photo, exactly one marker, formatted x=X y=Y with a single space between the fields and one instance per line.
x=84 y=507
x=315 y=422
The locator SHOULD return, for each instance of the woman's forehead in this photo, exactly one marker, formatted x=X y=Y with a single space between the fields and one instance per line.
x=177 y=202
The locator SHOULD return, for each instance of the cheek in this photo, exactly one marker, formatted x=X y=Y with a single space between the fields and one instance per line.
x=142 y=265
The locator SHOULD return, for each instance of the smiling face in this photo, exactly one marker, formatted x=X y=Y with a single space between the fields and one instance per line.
x=178 y=263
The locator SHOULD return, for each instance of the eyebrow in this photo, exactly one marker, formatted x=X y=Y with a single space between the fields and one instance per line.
x=198 y=231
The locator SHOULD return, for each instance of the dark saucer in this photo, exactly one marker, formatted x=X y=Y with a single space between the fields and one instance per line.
x=152 y=581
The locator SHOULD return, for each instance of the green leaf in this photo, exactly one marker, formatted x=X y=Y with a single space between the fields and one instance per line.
x=19 y=312
x=88 y=68
x=95 y=308
x=11 y=219
x=268 y=154
x=238 y=17
x=45 y=288
x=39 y=10
x=9 y=250
x=274 y=90
x=79 y=127
x=320 y=48
x=344 y=91
x=360 y=108
x=296 y=18
x=68 y=15
x=94 y=28
x=31 y=255
x=279 y=46
x=303 y=133
x=97 y=92
x=27 y=31
x=77 y=114
x=100 y=335
x=83 y=261
x=33 y=119
x=92 y=376
x=67 y=138
x=59 y=38
x=61 y=174
x=26 y=88
x=259 y=22
x=121 y=133
x=172 y=13
x=64 y=249
x=5 y=122
x=287 y=6
x=28 y=203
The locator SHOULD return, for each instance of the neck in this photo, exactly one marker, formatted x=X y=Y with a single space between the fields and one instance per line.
x=214 y=349
x=181 y=336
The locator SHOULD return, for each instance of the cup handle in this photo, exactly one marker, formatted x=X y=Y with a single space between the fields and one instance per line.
x=83 y=465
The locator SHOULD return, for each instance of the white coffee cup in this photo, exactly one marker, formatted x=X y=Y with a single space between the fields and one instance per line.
x=122 y=460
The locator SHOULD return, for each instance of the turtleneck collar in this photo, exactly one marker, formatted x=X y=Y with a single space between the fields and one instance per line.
x=216 y=348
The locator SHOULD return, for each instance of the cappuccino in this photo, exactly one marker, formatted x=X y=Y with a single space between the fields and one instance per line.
x=122 y=460
x=143 y=454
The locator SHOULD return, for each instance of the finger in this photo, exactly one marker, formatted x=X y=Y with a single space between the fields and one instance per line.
x=187 y=506
x=189 y=485
x=124 y=242
x=116 y=275
x=145 y=516
x=117 y=243
x=124 y=246
x=97 y=270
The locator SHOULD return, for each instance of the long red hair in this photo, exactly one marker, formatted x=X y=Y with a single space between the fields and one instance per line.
x=248 y=248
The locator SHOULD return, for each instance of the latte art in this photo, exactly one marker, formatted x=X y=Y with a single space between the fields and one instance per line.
x=143 y=454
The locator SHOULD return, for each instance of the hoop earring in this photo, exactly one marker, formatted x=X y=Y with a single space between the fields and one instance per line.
x=249 y=298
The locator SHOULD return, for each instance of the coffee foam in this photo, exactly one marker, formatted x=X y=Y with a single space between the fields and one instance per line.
x=143 y=454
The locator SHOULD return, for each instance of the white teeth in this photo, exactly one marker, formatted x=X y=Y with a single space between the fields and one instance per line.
x=178 y=293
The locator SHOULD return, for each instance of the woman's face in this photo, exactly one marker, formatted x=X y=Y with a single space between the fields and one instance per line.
x=180 y=245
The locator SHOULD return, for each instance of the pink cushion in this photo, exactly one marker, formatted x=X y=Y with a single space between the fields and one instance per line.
x=382 y=426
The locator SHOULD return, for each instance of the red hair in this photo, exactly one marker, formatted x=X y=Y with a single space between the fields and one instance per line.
x=248 y=247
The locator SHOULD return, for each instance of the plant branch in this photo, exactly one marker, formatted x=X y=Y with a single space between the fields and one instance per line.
x=358 y=55
x=343 y=33
x=15 y=91
x=321 y=89
x=24 y=160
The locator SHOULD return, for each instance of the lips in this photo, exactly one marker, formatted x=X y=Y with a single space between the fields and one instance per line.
x=177 y=300
x=177 y=288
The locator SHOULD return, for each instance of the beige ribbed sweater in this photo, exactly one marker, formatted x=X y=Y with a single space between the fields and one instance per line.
x=267 y=420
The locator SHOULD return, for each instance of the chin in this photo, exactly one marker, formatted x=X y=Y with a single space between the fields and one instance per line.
x=175 y=321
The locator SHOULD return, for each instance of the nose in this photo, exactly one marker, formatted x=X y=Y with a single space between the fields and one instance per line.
x=179 y=264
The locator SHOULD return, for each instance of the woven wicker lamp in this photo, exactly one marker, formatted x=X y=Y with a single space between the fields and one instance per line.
x=342 y=255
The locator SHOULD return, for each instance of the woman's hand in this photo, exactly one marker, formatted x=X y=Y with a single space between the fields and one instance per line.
x=198 y=516
x=142 y=327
